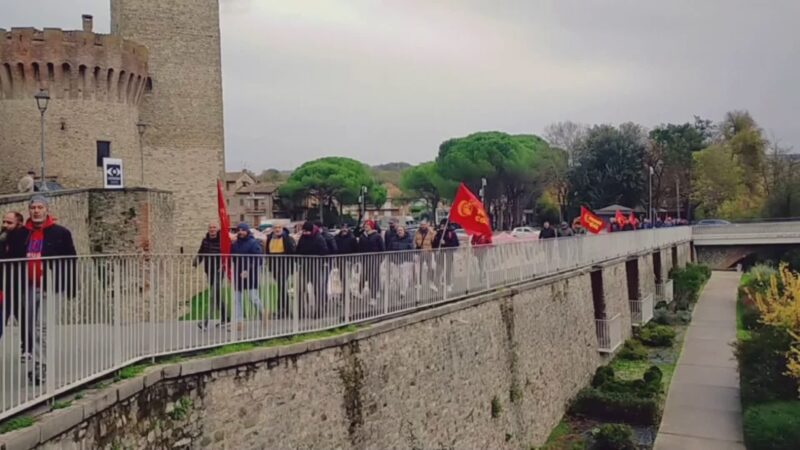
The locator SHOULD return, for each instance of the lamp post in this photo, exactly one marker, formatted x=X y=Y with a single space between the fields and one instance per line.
x=42 y=99
x=678 y=196
x=141 y=127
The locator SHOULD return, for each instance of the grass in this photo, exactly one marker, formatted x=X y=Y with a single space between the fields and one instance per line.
x=200 y=304
x=17 y=423
x=130 y=372
x=741 y=333
x=61 y=404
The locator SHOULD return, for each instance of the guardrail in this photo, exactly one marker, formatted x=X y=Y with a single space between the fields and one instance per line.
x=609 y=333
x=83 y=318
x=664 y=291
x=785 y=232
x=641 y=310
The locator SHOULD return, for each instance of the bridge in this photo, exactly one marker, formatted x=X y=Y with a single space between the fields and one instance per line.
x=724 y=246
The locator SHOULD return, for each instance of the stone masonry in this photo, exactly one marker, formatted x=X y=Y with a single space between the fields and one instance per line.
x=428 y=380
x=615 y=292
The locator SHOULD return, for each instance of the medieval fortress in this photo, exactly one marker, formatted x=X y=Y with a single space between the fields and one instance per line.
x=158 y=72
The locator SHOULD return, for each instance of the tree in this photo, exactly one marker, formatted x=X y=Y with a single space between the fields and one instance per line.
x=610 y=166
x=718 y=185
x=744 y=138
x=514 y=166
x=332 y=182
x=781 y=182
x=272 y=176
x=566 y=136
x=424 y=182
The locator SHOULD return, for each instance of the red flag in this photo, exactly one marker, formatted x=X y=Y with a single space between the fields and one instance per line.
x=590 y=221
x=633 y=220
x=224 y=230
x=620 y=218
x=468 y=212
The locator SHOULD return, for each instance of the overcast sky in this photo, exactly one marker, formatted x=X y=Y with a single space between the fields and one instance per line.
x=387 y=81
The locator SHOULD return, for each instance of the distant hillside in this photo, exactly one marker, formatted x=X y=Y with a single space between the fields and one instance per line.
x=390 y=172
x=392 y=166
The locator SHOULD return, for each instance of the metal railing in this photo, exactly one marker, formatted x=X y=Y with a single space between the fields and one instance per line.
x=744 y=233
x=609 y=333
x=642 y=310
x=664 y=292
x=70 y=321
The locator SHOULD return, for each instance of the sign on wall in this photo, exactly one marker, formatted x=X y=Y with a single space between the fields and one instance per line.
x=112 y=173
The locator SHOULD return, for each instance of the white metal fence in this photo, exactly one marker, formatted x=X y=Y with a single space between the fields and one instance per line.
x=642 y=310
x=69 y=321
x=664 y=292
x=609 y=333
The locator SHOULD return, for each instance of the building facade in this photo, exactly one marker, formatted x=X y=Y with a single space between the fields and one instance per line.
x=249 y=200
x=159 y=68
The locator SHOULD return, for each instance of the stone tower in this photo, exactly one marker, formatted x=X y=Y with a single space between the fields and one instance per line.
x=182 y=106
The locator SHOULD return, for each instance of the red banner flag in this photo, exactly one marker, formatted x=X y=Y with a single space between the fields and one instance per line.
x=468 y=212
x=590 y=221
x=620 y=218
x=633 y=220
x=224 y=229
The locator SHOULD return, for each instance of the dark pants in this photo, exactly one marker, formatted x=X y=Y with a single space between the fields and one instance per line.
x=283 y=304
x=372 y=275
x=216 y=301
x=444 y=267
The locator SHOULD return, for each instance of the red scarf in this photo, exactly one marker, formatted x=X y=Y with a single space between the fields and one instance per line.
x=35 y=249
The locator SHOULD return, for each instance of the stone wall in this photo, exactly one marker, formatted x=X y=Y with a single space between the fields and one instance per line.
x=615 y=292
x=428 y=380
x=647 y=277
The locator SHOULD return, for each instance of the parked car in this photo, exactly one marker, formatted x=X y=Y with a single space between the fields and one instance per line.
x=525 y=232
x=712 y=223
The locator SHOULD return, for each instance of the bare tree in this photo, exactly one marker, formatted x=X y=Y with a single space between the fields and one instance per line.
x=565 y=135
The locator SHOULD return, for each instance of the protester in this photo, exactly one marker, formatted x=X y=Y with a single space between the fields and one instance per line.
x=40 y=238
x=279 y=242
x=209 y=256
x=312 y=278
x=401 y=241
x=246 y=260
x=27 y=184
x=423 y=238
x=371 y=242
x=547 y=231
x=329 y=239
x=445 y=238
x=346 y=243
x=565 y=230
x=628 y=226
x=12 y=223
x=613 y=226
x=391 y=234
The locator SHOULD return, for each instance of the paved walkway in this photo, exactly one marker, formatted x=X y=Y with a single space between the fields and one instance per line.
x=703 y=410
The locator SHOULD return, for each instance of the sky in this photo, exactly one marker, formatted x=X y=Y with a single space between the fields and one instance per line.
x=383 y=81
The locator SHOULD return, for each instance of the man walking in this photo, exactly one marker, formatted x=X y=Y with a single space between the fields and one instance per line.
x=445 y=239
x=41 y=238
x=547 y=231
x=12 y=223
x=372 y=242
x=423 y=240
x=280 y=243
x=209 y=256
x=311 y=243
x=246 y=259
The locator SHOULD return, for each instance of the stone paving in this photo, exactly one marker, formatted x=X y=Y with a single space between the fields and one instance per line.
x=703 y=410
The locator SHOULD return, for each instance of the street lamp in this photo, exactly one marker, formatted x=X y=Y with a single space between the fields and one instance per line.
x=650 y=203
x=42 y=99
x=141 y=127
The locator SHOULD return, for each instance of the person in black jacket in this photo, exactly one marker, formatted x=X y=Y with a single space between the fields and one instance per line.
x=371 y=242
x=209 y=256
x=346 y=243
x=41 y=238
x=445 y=239
x=12 y=224
x=547 y=232
x=391 y=234
x=329 y=240
x=402 y=241
x=311 y=243
x=279 y=242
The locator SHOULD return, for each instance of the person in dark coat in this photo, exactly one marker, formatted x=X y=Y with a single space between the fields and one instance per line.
x=38 y=242
x=12 y=224
x=246 y=259
x=329 y=239
x=444 y=240
x=402 y=241
x=209 y=256
x=371 y=242
x=391 y=234
x=346 y=243
x=312 y=272
x=565 y=230
x=279 y=242
x=547 y=232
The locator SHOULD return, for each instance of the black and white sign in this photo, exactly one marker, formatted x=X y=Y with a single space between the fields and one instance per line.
x=112 y=173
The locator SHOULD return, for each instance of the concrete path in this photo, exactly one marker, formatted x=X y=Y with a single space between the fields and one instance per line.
x=703 y=411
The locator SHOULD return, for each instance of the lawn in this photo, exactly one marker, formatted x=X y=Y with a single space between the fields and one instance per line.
x=199 y=304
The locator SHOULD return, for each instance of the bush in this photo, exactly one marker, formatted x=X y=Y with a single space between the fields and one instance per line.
x=613 y=436
x=653 y=377
x=603 y=375
x=633 y=350
x=792 y=257
x=664 y=316
x=616 y=406
x=762 y=366
x=772 y=426
x=654 y=335
x=687 y=283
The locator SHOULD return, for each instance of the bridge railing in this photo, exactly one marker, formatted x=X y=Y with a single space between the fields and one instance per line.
x=744 y=230
x=641 y=310
x=70 y=321
x=664 y=291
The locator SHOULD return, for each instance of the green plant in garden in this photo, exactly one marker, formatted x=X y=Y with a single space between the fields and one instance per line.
x=687 y=283
x=762 y=366
x=613 y=436
x=633 y=350
x=654 y=335
x=17 y=423
x=773 y=426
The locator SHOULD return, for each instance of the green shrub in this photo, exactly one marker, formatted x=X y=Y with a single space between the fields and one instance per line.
x=616 y=406
x=687 y=283
x=664 y=316
x=17 y=423
x=613 y=436
x=772 y=426
x=792 y=257
x=603 y=375
x=633 y=350
x=653 y=376
x=762 y=366
x=654 y=335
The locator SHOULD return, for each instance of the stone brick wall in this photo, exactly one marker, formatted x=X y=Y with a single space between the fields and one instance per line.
x=615 y=292
x=423 y=381
x=184 y=142
x=647 y=277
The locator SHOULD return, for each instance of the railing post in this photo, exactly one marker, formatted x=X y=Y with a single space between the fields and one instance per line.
x=346 y=278
x=469 y=268
x=152 y=308
x=296 y=301
x=117 y=299
x=49 y=329
x=444 y=274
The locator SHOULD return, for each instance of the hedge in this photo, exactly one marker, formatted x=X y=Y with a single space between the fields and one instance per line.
x=772 y=426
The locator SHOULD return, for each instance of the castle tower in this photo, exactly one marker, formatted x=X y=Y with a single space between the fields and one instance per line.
x=95 y=82
x=184 y=140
